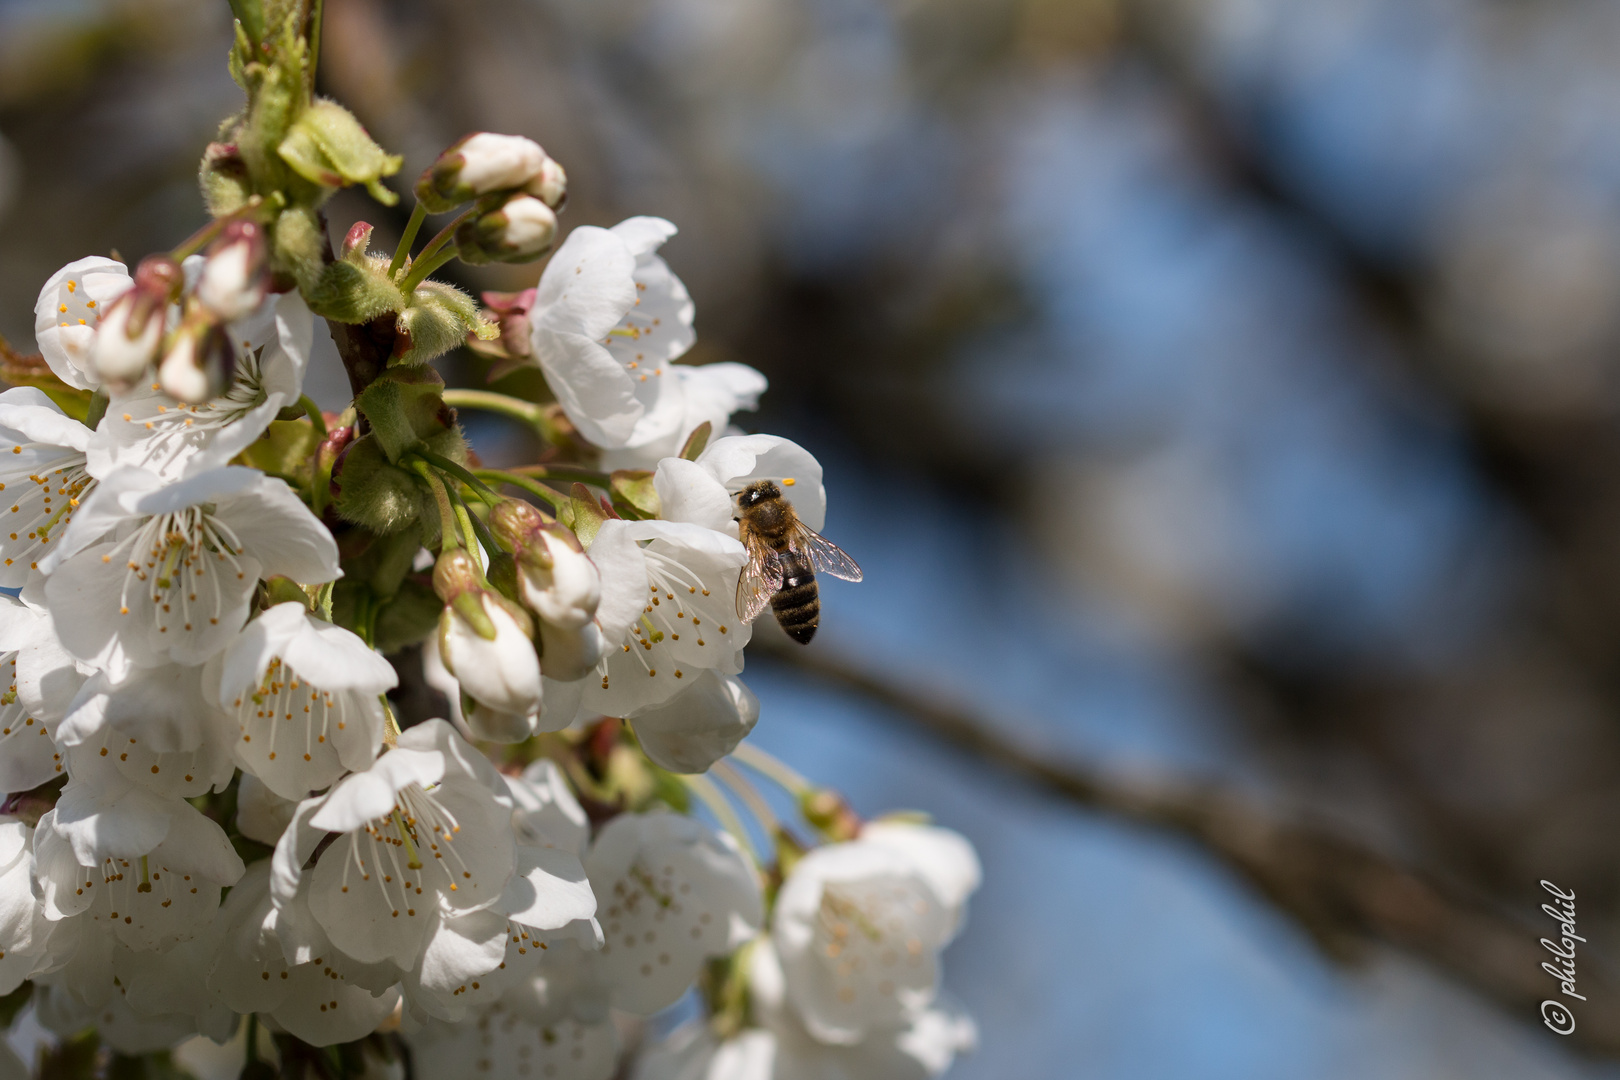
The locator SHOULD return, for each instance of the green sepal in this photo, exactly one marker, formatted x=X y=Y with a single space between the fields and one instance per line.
x=286 y=449
x=327 y=146
x=633 y=491
x=223 y=178
x=438 y=319
x=470 y=606
x=281 y=589
x=404 y=407
x=585 y=514
x=355 y=290
x=696 y=441
x=249 y=22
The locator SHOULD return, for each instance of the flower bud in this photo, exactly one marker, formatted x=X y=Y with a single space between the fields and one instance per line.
x=550 y=185
x=199 y=360
x=235 y=278
x=131 y=329
x=518 y=230
x=510 y=312
x=483 y=163
x=486 y=641
x=556 y=579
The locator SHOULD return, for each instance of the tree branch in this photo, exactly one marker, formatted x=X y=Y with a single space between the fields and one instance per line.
x=1342 y=892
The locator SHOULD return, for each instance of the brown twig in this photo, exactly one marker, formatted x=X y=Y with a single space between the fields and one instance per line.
x=1343 y=892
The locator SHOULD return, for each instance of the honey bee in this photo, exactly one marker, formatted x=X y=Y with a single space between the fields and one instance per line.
x=784 y=555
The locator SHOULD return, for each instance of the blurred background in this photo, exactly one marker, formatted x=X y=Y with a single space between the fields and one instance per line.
x=1222 y=396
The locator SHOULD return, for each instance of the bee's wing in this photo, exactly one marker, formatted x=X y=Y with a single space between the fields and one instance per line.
x=825 y=556
x=761 y=577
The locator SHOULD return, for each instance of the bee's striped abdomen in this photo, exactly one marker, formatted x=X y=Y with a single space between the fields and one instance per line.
x=797 y=604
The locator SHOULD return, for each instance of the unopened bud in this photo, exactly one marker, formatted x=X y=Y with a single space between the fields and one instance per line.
x=455 y=573
x=486 y=641
x=357 y=239
x=226 y=183
x=132 y=328
x=550 y=185
x=199 y=360
x=521 y=229
x=483 y=163
x=236 y=276
x=556 y=579
x=510 y=312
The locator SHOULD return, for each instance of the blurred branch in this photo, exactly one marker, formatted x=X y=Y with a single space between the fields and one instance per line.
x=1342 y=892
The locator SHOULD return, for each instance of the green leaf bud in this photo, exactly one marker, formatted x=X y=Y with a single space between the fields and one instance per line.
x=327 y=146
x=438 y=319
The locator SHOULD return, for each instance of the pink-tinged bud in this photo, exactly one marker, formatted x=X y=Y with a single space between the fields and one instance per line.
x=131 y=329
x=199 y=361
x=484 y=163
x=357 y=240
x=519 y=230
x=510 y=311
x=235 y=278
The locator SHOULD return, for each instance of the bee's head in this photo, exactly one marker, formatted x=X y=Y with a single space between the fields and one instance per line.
x=758 y=492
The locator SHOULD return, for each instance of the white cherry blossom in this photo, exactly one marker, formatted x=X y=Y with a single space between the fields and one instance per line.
x=707 y=394
x=319 y=1000
x=500 y=1041
x=69 y=311
x=858 y=927
x=44 y=474
x=175 y=581
x=698 y=726
x=305 y=695
x=673 y=893
x=151 y=430
x=701 y=491
x=29 y=755
x=421 y=833
x=608 y=321
x=24 y=930
x=156 y=726
x=148 y=866
x=668 y=611
x=782 y=1049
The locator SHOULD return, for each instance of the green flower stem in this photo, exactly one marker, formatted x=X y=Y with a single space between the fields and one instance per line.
x=769 y=766
x=412 y=227
x=556 y=498
x=469 y=535
x=460 y=472
x=526 y=412
x=421 y=269
x=430 y=258
x=568 y=474
x=447 y=516
x=315 y=417
x=197 y=240
x=712 y=797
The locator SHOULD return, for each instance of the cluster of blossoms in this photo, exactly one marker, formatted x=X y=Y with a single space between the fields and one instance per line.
x=211 y=589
